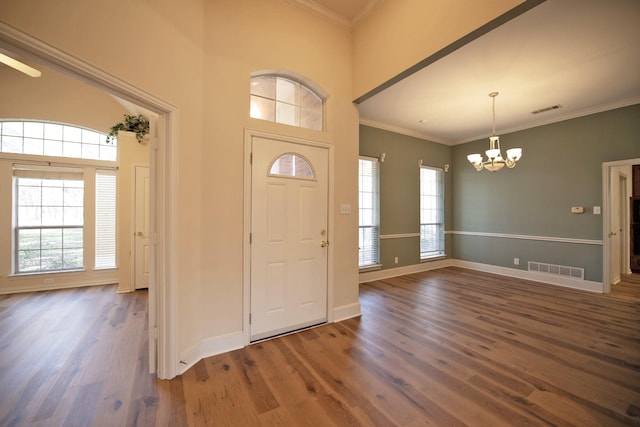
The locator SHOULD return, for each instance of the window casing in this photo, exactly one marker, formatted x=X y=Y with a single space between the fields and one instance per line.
x=431 y=212
x=50 y=204
x=49 y=220
x=369 y=213
x=283 y=100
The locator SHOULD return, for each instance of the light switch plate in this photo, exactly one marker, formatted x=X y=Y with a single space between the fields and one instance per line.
x=596 y=210
x=345 y=209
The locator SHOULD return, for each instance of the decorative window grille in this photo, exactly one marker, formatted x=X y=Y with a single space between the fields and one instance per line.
x=55 y=140
x=49 y=201
x=49 y=205
x=292 y=165
x=282 y=100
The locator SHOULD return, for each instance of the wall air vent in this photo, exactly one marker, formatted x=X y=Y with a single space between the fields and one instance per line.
x=558 y=270
x=544 y=110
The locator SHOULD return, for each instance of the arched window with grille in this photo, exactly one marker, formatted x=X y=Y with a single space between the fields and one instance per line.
x=56 y=169
x=285 y=99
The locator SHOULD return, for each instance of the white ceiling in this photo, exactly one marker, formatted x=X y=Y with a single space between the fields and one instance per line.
x=583 y=55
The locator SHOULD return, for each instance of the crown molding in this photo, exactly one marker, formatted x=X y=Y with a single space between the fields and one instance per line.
x=371 y=6
x=557 y=119
x=321 y=11
x=317 y=9
x=404 y=131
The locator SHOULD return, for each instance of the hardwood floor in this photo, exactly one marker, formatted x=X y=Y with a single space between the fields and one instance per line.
x=628 y=287
x=448 y=347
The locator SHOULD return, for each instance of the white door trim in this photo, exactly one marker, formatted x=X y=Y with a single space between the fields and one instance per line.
x=248 y=138
x=163 y=172
x=606 y=218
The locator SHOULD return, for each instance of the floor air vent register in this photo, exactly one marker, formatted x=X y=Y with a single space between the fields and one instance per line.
x=558 y=270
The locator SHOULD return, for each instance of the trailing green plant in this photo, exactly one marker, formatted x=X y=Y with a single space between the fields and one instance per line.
x=137 y=124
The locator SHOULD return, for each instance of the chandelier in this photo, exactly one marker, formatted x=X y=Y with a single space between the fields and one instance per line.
x=494 y=161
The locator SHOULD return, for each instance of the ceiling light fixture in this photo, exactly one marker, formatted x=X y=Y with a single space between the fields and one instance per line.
x=495 y=161
x=17 y=65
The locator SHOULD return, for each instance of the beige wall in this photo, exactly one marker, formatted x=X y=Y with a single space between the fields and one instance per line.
x=401 y=33
x=55 y=97
x=198 y=56
x=245 y=37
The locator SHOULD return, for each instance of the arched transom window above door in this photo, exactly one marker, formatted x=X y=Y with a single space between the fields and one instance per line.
x=283 y=99
x=292 y=165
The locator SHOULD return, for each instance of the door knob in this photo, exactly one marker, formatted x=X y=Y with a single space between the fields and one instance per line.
x=612 y=234
x=324 y=244
x=139 y=234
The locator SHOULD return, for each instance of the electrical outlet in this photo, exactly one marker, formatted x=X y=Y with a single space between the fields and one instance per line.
x=516 y=261
x=395 y=260
x=48 y=281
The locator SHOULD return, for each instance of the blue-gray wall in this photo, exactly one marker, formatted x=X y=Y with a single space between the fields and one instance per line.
x=400 y=189
x=561 y=167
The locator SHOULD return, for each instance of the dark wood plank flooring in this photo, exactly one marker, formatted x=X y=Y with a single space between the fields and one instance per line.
x=448 y=347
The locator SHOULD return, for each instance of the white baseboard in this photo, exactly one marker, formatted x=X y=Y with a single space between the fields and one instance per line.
x=584 y=285
x=217 y=345
x=210 y=347
x=346 y=312
x=40 y=288
x=400 y=271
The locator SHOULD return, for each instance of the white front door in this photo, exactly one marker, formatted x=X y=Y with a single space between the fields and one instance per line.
x=141 y=248
x=289 y=196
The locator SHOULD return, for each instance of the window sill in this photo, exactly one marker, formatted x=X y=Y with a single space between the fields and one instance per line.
x=367 y=268
x=45 y=273
x=433 y=258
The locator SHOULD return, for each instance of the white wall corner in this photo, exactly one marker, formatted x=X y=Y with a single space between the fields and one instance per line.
x=346 y=312
x=210 y=347
x=550 y=279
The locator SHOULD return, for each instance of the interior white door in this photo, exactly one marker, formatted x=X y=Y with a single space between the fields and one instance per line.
x=141 y=226
x=289 y=242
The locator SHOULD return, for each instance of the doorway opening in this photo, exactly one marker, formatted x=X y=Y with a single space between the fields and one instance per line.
x=162 y=168
x=615 y=225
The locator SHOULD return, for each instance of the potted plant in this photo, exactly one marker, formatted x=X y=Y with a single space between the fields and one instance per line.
x=137 y=124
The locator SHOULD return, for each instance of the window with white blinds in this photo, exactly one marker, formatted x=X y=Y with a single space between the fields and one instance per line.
x=369 y=213
x=431 y=212
x=105 y=219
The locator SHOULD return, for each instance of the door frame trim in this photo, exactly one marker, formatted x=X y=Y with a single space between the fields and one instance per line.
x=249 y=134
x=606 y=218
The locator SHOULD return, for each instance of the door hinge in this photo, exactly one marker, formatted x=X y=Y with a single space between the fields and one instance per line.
x=250 y=238
x=251 y=158
x=249 y=318
x=155 y=332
